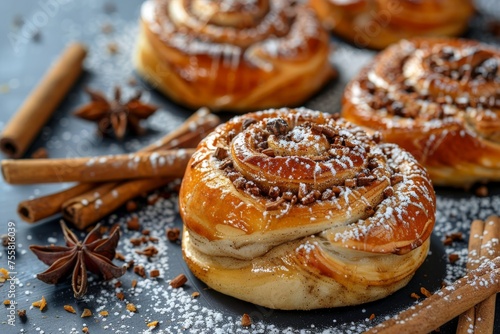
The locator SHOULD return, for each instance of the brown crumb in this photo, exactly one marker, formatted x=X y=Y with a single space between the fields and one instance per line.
x=103 y=313
x=120 y=295
x=415 y=295
x=246 y=321
x=482 y=191
x=112 y=48
x=133 y=224
x=450 y=238
x=119 y=256
x=154 y=273
x=4 y=275
x=152 y=324
x=21 y=313
x=107 y=28
x=179 y=281
x=131 y=307
x=425 y=292
x=153 y=239
x=85 y=329
x=118 y=284
x=6 y=302
x=372 y=316
x=149 y=251
x=453 y=258
x=86 y=313
x=132 y=82
x=40 y=153
x=152 y=199
x=136 y=241
x=139 y=270
x=130 y=264
x=41 y=304
x=146 y=232
x=69 y=308
x=195 y=294
x=173 y=234
x=134 y=283
x=131 y=206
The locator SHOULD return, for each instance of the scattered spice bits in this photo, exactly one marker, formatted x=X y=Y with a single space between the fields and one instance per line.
x=372 y=316
x=425 y=292
x=112 y=48
x=69 y=308
x=41 y=304
x=4 y=275
x=119 y=256
x=133 y=224
x=415 y=295
x=131 y=206
x=40 y=153
x=21 y=313
x=173 y=234
x=450 y=238
x=149 y=251
x=139 y=270
x=246 y=321
x=195 y=294
x=453 y=258
x=482 y=191
x=120 y=295
x=152 y=324
x=154 y=273
x=133 y=284
x=86 y=313
x=131 y=307
x=136 y=241
x=146 y=232
x=178 y=281
x=104 y=313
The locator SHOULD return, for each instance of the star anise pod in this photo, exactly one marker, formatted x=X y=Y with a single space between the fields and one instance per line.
x=114 y=115
x=93 y=254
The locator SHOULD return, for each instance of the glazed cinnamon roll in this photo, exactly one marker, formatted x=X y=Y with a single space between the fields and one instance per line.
x=440 y=100
x=297 y=209
x=379 y=23
x=233 y=55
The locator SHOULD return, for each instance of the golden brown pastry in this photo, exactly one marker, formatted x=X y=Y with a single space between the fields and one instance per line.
x=379 y=23
x=233 y=55
x=440 y=100
x=295 y=209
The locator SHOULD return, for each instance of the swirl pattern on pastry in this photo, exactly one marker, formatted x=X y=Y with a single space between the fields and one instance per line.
x=440 y=100
x=297 y=209
x=379 y=23
x=233 y=55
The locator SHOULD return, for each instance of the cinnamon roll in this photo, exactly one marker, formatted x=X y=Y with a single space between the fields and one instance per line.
x=297 y=209
x=233 y=55
x=379 y=23
x=440 y=100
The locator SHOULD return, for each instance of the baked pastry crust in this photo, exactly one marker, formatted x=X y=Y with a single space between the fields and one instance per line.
x=378 y=23
x=294 y=209
x=440 y=100
x=233 y=55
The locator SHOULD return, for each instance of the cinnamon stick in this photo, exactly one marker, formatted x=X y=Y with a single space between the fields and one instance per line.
x=447 y=303
x=86 y=209
x=27 y=122
x=485 y=311
x=188 y=134
x=42 y=207
x=467 y=319
x=170 y=163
